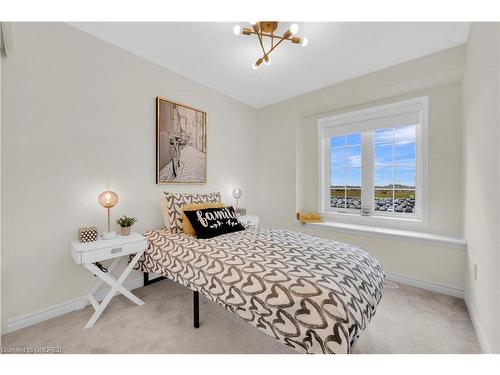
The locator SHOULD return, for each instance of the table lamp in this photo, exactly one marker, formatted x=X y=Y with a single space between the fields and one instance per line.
x=237 y=195
x=108 y=199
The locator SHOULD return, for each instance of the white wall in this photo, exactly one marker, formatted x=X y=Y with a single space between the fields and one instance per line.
x=481 y=98
x=1 y=212
x=288 y=172
x=79 y=118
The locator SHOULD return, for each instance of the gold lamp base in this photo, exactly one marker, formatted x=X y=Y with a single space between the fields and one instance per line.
x=108 y=200
x=109 y=235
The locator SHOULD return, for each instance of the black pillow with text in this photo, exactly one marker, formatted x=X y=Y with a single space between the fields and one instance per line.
x=212 y=222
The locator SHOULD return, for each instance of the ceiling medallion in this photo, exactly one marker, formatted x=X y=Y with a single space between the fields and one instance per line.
x=267 y=29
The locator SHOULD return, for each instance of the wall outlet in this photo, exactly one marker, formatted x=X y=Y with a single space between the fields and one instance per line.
x=475 y=271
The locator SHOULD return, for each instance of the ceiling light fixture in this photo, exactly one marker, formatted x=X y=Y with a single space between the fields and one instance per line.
x=267 y=29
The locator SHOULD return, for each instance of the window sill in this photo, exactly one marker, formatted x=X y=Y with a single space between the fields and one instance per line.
x=375 y=218
x=394 y=234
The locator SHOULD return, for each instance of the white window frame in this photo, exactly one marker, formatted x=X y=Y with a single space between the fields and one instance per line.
x=355 y=122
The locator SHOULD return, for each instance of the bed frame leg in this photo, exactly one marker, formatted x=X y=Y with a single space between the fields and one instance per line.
x=196 y=309
x=196 y=299
x=149 y=282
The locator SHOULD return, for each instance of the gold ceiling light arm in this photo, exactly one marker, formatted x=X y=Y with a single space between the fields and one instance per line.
x=267 y=29
x=256 y=27
x=276 y=45
x=247 y=31
x=261 y=44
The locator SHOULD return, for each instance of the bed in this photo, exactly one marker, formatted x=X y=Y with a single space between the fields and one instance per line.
x=312 y=294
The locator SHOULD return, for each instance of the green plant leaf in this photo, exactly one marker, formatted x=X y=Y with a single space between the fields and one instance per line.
x=126 y=221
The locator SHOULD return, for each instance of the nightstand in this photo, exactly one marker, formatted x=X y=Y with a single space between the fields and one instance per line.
x=249 y=221
x=88 y=253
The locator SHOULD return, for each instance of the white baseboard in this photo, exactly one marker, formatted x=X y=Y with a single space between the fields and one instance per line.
x=50 y=312
x=433 y=287
x=47 y=313
x=481 y=337
x=455 y=292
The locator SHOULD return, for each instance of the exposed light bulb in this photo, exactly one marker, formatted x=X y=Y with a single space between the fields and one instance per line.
x=294 y=28
x=255 y=66
x=305 y=42
x=255 y=25
x=267 y=60
x=237 y=30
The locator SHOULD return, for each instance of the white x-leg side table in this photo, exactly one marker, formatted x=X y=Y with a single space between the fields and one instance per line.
x=88 y=253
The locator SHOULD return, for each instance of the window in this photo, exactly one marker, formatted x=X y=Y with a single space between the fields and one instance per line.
x=395 y=170
x=373 y=161
x=345 y=165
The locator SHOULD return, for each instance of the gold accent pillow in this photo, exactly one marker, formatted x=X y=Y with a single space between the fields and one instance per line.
x=186 y=225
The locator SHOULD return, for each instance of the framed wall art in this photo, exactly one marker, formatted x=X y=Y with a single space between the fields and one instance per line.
x=181 y=143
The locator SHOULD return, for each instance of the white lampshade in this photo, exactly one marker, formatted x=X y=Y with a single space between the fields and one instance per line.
x=294 y=28
x=237 y=193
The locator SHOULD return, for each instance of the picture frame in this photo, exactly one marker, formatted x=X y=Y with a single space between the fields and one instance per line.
x=181 y=143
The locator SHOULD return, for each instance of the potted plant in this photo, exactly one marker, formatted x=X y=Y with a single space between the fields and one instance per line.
x=126 y=223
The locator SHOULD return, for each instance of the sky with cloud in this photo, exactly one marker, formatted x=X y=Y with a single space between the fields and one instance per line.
x=394 y=158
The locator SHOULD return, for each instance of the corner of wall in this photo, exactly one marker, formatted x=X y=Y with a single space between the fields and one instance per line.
x=2 y=325
x=481 y=114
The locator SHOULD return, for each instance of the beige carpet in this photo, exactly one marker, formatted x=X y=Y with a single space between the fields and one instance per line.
x=409 y=320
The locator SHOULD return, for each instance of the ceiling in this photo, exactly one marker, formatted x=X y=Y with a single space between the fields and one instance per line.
x=209 y=52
